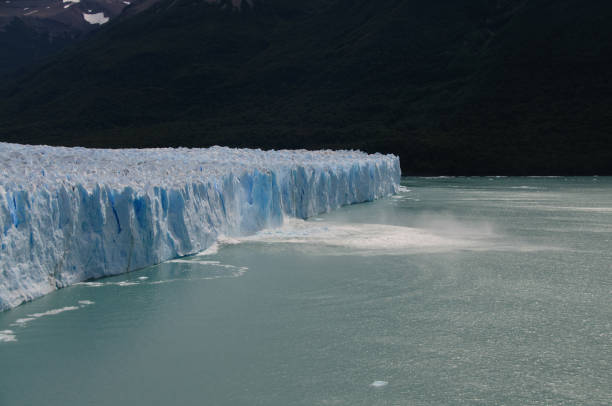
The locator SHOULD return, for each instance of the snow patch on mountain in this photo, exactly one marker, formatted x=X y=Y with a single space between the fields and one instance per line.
x=96 y=18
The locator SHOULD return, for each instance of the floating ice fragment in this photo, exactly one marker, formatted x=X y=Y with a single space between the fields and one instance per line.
x=379 y=384
x=23 y=321
x=126 y=283
x=213 y=249
x=92 y=284
x=53 y=312
x=7 y=336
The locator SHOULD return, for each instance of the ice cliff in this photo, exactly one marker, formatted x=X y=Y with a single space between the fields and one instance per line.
x=71 y=214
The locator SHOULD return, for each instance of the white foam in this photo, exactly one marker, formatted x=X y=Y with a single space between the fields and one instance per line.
x=544 y=207
x=198 y=262
x=163 y=281
x=214 y=248
x=23 y=321
x=127 y=283
x=360 y=239
x=53 y=312
x=91 y=284
x=214 y=269
x=100 y=284
x=379 y=384
x=238 y=272
x=218 y=270
x=7 y=336
x=436 y=235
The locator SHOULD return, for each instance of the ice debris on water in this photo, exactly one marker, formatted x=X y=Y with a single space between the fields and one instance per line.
x=7 y=336
x=72 y=214
x=379 y=384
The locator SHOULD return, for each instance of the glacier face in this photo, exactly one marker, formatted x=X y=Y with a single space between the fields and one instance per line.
x=71 y=214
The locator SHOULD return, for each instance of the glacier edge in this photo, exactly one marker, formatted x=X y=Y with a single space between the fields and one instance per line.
x=72 y=214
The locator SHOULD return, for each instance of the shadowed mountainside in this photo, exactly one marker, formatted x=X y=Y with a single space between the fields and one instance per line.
x=453 y=87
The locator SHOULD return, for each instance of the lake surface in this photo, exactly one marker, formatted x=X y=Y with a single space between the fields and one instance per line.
x=457 y=291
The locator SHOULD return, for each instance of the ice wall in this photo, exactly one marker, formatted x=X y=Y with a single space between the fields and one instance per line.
x=71 y=214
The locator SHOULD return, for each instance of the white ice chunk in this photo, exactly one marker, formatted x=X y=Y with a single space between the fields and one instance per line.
x=23 y=321
x=379 y=384
x=92 y=284
x=126 y=283
x=7 y=336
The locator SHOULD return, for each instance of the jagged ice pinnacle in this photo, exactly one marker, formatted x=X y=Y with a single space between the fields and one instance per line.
x=71 y=214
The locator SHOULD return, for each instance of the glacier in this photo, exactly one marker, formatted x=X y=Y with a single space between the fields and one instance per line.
x=73 y=214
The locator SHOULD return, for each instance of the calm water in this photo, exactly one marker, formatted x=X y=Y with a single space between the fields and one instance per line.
x=458 y=291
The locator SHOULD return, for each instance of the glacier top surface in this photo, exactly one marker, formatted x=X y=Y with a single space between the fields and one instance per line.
x=139 y=168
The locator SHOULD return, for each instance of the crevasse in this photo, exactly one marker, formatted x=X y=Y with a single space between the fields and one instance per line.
x=72 y=214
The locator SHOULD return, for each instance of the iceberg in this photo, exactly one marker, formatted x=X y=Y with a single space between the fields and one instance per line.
x=72 y=214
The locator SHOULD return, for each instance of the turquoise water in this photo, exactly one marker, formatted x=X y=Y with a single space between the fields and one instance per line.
x=457 y=291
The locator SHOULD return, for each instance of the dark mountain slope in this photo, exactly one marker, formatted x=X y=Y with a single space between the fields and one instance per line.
x=32 y=30
x=453 y=87
x=21 y=45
